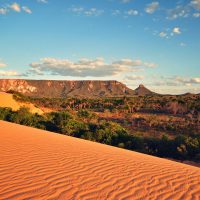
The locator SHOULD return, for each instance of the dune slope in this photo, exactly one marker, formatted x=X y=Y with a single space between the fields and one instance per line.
x=7 y=100
x=36 y=164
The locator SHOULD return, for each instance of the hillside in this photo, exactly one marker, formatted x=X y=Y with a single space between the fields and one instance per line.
x=57 y=89
x=41 y=165
x=142 y=91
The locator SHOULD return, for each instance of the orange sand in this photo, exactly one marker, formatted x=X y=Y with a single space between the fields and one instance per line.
x=6 y=100
x=36 y=164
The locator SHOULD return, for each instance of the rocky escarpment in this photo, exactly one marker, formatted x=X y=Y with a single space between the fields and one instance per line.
x=54 y=88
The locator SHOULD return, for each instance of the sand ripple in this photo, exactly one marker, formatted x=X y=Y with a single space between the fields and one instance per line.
x=35 y=164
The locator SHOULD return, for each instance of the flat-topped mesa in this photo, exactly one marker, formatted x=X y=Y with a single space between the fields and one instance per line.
x=65 y=88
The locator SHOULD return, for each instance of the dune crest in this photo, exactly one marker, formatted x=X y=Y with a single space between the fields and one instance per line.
x=37 y=164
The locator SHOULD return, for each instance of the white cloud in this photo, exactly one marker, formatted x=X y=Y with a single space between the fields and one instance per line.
x=78 y=10
x=16 y=7
x=128 y=62
x=168 y=33
x=195 y=80
x=196 y=15
x=149 y=65
x=132 y=12
x=176 y=82
x=86 y=67
x=42 y=1
x=182 y=44
x=27 y=10
x=9 y=73
x=116 y=12
x=2 y=64
x=87 y=12
x=183 y=80
x=3 y=11
x=180 y=11
x=125 y=1
x=134 y=77
x=152 y=7
x=134 y=63
x=176 y=30
x=163 y=34
x=93 y=12
x=183 y=11
x=196 y=4
x=187 y=81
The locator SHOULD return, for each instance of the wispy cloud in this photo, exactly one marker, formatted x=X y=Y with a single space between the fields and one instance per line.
x=126 y=1
x=27 y=10
x=87 y=12
x=116 y=12
x=163 y=34
x=152 y=7
x=15 y=7
x=2 y=64
x=168 y=33
x=196 y=15
x=182 y=44
x=93 y=12
x=176 y=30
x=42 y=1
x=3 y=11
x=134 y=77
x=132 y=12
x=187 y=81
x=125 y=13
x=184 y=10
x=86 y=67
x=9 y=73
x=196 y=4
x=177 y=81
x=134 y=63
x=180 y=11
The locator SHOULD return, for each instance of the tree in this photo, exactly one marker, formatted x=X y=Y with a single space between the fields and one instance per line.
x=60 y=120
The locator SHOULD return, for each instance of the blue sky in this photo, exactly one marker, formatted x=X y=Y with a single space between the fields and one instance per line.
x=156 y=43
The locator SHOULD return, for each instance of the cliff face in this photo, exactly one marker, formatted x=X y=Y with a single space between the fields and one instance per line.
x=52 y=88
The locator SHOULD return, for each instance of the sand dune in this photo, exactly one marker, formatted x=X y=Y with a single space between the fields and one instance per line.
x=35 y=164
x=6 y=100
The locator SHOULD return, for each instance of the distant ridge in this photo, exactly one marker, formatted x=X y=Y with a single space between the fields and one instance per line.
x=58 y=89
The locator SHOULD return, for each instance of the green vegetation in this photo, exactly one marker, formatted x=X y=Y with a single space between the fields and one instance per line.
x=165 y=126
x=87 y=125
x=182 y=113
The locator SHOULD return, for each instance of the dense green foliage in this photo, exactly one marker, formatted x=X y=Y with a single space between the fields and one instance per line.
x=174 y=104
x=86 y=125
x=182 y=111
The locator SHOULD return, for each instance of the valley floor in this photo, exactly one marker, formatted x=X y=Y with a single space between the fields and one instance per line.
x=37 y=164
